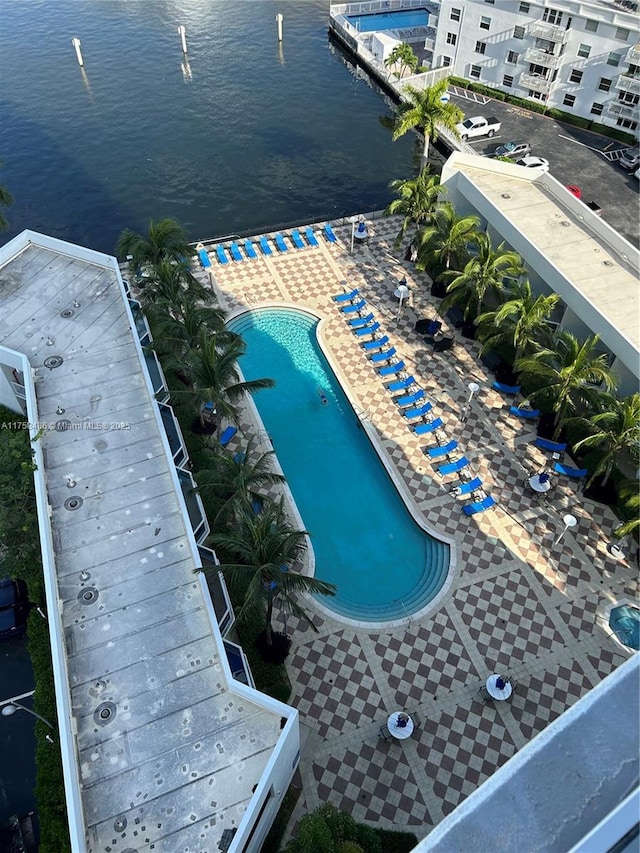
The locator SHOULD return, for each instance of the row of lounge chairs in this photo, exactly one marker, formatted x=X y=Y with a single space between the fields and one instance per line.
x=411 y=401
x=240 y=250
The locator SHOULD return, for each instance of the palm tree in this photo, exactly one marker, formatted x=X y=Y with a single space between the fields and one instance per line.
x=178 y=332
x=631 y=497
x=212 y=371
x=171 y=289
x=416 y=200
x=267 y=548
x=166 y=240
x=482 y=274
x=403 y=56
x=237 y=479
x=5 y=200
x=568 y=373
x=614 y=431
x=424 y=110
x=520 y=322
x=445 y=240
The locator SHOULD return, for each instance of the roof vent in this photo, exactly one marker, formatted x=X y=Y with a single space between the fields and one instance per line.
x=104 y=713
x=68 y=312
x=565 y=223
x=53 y=361
x=607 y=263
x=505 y=195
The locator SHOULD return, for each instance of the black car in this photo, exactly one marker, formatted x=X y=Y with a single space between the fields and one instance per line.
x=513 y=150
x=14 y=608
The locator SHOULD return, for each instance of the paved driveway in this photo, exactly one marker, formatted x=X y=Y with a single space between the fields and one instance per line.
x=576 y=156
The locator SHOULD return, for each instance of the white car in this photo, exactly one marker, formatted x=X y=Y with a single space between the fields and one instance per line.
x=531 y=162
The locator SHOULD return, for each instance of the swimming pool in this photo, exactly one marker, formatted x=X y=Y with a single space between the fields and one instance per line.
x=624 y=621
x=365 y=541
x=404 y=18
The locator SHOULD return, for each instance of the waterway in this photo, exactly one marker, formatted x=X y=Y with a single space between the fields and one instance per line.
x=243 y=136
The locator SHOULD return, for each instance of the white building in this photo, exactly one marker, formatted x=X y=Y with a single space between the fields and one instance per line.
x=162 y=748
x=566 y=248
x=579 y=56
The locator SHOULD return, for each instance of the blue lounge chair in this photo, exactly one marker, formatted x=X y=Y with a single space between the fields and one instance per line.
x=468 y=487
x=409 y=399
x=392 y=369
x=375 y=344
x=236 y=254
x=452 y=467
x=525 y=414
x=367 y=330
x=222 y=257
x=569 y=471
x=552 y=446
x=441 y=449
x=360 y=321
x=401 y=384
x=346 y=297
x=479 y=506
x=387 y=355
x=354 y=307
x=204 y=258
x=506 y=389
x=265 y=248
x=418 y=412
x=227 y=434
x=281 y=246
x=297 y=240
x=423 y=429
x=328 y=233
x=311 y=237
x=249 y=250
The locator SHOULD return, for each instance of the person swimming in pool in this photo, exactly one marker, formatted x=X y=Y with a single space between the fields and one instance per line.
x=323 y=397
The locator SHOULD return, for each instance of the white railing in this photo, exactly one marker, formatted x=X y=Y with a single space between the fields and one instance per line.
x=618 y=109
x=378 y=6
x=541 y=57
x=551 y=32
x=633 y=55
x=628 y=84
x=534 y=82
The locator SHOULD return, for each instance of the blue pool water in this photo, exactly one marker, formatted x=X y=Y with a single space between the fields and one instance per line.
x=390 y=20
x=625 y=621
x=364 y=539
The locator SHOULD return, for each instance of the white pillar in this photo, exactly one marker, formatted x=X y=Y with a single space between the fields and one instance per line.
x=76 y=43
x=279 y=20
x=183 y=37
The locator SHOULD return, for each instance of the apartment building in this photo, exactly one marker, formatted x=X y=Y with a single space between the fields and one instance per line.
x=580 y=57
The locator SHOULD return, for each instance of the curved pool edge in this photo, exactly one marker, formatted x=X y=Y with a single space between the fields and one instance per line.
x=398 y=483
x=603 y=613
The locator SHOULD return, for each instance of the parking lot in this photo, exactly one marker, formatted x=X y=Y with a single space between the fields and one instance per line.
x=576 y=156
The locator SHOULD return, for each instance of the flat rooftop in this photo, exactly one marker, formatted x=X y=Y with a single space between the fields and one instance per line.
x=168 y=754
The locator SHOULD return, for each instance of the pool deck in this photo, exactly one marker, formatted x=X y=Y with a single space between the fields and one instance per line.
x=518 y=603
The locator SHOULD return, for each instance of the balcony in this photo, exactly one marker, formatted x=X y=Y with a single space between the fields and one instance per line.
x=174 y=434
x=628 y=84
x=550 y=32
x=620 y=110
x=537 y=56
x=217 y=590
x=238 y=663
x=633 y=55
x=195 y=509
x=534 y=82
x=156 y=375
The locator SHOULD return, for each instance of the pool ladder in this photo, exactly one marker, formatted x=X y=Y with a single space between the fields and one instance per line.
x=361 y=414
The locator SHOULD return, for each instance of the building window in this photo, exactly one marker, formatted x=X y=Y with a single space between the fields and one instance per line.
x=485 y=23
x=512 y=57
x=518 y=32
x=569 y=100
x=605 y=85
x=591 y=26
x=490 y=2
x=634 y=70
x=537 y=96
x=552 y=16
x=481 y=47
x=575 y=76
x=621 y=34
x=507 y=81
x=446 y=61
x=475 y=72
x=596 y=109
x=455 y=14
x=584 y=50
x=524 y=8
x=627 y=123
x=452 y=38
x=614 y=59
x=628 y=98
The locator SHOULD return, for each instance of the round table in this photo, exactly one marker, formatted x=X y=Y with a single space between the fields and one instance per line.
x=361 y=234
x=537 y=486
x=399 y=732
x=494 y=691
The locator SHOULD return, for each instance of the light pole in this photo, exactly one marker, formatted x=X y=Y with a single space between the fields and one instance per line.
x=353 y=220
x=10 y=706
x=473 y=390
x=569 y=522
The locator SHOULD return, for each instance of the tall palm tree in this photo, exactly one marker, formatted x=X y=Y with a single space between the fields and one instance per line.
x=568 y=374
x=166 y=240
x=238 y=479
x=520 y=322
x=403 y=56
x=212 y=370
x=631 y=496
x=171 y=287
x=177 y=332
x=483 y=274
x=416 y=200
x=445 y=240
x=5 y=200
x=267 y=548
x=614 y=431
x=424 y=110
